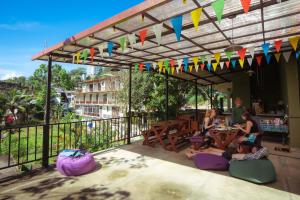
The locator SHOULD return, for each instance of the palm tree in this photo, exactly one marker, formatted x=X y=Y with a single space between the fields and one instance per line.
x=15 y=102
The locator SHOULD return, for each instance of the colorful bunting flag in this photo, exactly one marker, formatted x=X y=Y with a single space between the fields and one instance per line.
x=184 y=1
x=258 y=59
x=222 y=65
x=250 y=60
x=179 y=62
x=217 y=57
x=208 y=66
x=157 y=29
x=141 y=67
x=92 y=53
x=214 y=65
x=77 y=57
x=177 y=26
x=287 y=55
x=143 y=34
x=167 y=65
x=227 y=64
x=110 y=47
x=84 y=54
x=202 y=58
x=251 y=51
x=154 y=65
x=136 y=67
x=268 y=58
x=101 y=49
x=208 y=59
x=195 y=15
x=265 y=48
x=246 y=5
x=177 y=69
x=148 y=66
x=172 y=70
x=242 y=53
x=218 y=7
x=277 y=45
x=132 y=39
x=277 y=56
x=228 y=54
x=74 y=57
x=172 y=63
x=122 y=41
x=186 y=63
x=191 y=68
x=196 y=60
x=202 y=66
x=241 y=61
x=297 y=54
x=233 y=63
x=294 y=42
x=160 y=65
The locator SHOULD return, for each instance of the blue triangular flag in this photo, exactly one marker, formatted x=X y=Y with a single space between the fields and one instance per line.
x=110 y=47
x=186 y=64
x=233 y=62
x=177 y=26
x=297 y=54
x=148 y=66
x=208 y=66
x=265 y=48
x=268 y=58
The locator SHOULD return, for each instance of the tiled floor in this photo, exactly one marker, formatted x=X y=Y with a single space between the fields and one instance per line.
x=140 y=172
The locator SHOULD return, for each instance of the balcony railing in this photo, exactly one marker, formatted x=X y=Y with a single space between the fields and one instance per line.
x=24 y=144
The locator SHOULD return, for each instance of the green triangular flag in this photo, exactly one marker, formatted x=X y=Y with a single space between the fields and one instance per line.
x=167 y=64
x=202 y=58
x=228 y=54
x=136 y=67
x=122 y=42
x=218 y=7
x=84 y=54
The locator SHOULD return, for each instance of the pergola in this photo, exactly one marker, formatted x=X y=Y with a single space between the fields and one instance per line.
x=266 y=21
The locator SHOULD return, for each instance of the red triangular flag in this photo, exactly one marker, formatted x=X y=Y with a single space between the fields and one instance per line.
x=202 y=66
x=277 y=45
x=227 y=64
x=181 y=69
x=172 y=63
x=141 y=67
x=258 y=59
x=143 y=34
x=242 y=53
x=92 y=52
x=246 y=5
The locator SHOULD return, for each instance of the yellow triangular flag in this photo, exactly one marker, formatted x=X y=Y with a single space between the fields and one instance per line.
x=191 y=68
x=277 y=56
x=160 y=66
x=164 y=70
x=241 y=63
x=214 y=66
x=78 y=57
x=218 y=57
x=196 y=14
x=294 y=42
x=172 y=70
x=195 y=60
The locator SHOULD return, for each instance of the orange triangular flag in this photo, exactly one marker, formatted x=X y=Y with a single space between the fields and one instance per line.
x=143 y=34
x=242 y=53
x=277 y=56
x=215 y=65
x=277 y=45
x=294 y=42
x=258 y=59
x=241 y=61
x=227 y=64
x=202 y=66
x=246 y=5
x=217 y=57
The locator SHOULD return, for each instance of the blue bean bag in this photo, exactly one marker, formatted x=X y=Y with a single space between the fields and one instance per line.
x=255 y=171
x=210 y=162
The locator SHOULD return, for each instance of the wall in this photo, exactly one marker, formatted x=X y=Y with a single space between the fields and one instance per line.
x=241 y=87
x=292 y=90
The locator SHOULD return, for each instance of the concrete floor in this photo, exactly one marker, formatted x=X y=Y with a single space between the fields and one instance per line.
x=140 y=172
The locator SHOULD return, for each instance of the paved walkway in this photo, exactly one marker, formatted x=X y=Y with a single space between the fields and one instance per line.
x=145 y=173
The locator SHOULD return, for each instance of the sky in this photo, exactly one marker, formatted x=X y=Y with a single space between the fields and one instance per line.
x=26 y=26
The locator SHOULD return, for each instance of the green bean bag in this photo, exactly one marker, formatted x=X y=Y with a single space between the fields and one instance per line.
x=255 y=171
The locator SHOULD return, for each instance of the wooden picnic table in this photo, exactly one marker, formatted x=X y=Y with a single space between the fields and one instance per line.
x=223 y=136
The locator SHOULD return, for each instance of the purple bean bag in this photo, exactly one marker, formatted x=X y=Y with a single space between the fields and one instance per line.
x=75 y=166
x=211 y=162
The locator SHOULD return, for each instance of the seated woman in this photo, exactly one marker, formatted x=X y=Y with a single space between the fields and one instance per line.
x=251 y=133
x=208 y=122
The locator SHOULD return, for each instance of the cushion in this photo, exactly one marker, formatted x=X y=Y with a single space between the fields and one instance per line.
x=255 y=171
x=210 y=162
x=75 y=166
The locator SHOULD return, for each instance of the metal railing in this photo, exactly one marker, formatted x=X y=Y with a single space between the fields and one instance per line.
x=24 y=144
